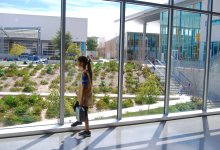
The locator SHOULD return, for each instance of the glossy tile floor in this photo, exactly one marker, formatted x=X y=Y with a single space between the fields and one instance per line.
x=186 y=134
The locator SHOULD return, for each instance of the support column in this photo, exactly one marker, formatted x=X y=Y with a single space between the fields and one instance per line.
x=62 y=60
x=168 y=64
x=39 y=50
x=144 y=51
x=207 y=63
x=121 y=58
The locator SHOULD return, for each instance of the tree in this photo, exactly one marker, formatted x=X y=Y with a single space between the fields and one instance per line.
x=92 y=43
x=73 y=51
x=148 y=91
x=17 y=50
x=57 y=40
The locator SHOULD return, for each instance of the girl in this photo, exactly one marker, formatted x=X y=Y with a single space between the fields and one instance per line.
x=85 y=91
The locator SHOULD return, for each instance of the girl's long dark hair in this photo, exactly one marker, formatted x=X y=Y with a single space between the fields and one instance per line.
x=86 y=62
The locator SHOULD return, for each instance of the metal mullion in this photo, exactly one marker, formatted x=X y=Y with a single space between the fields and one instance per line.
x=121 y=59
x=207 y=63
x=62 y=60
x=168 y=64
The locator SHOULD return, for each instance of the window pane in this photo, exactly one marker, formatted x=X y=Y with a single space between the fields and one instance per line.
x=216 y=4
x=199 y=5
x=95 y=37
x=187 y=60
x=156 y=1
x=214 y=77
x=29 y=74
x=144 y=67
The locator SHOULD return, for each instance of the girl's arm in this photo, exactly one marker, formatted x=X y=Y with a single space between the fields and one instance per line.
x=84 y=87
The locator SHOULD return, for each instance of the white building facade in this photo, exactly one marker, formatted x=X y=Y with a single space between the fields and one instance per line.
x=37 y=32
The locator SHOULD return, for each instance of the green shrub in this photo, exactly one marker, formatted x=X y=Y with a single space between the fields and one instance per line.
x=127 y=103
x=68 y=108
x=50 y=69
x=4 y=77
x=56 y=66
x=21 y=110
x=2 y=72
x=43 y=82
x=54 y=86
x=3 y=107
x=106 y=99
x=37 y=110
x=101 y=105
x=33 y=72
x=15 y=89
x=39 y=67
x=19 y=83
x=43 y=72
x=10 y=119
x=28 y=118
x=23 y=72
x=138 y=101
x=28 y=88
x=10 y=101
x=30 y=65
x=26 y=78
x=113 y=104
x=53 y=104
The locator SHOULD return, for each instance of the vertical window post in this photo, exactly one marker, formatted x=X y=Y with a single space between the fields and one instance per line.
x=207 y=62
x=168 y=63
x=121 y=58
x=62 y=60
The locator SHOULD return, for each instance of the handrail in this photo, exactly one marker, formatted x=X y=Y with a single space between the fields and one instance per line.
x=155 y=67
x=160 y=62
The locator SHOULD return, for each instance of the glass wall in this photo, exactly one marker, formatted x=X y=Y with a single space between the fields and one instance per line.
x=214 y=76
x=30 y=59
x=199 y=5
x=29 y=77
x=144 y=72
x=187 y=60
x=100 y=36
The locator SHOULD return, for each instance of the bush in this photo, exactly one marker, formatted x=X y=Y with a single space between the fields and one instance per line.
x=1 y=87
x=4 y=77
x=6 y=85
x=28 y=118
x=68 y=108
x=30 y=65
x=33 y=72
x=10 y=119
x=3 y=107
x=113 y=104
x=21 y=110
x=50 y=69
x=101 y=105
x=2 y=72
x=43 y=72
x=23 y=72
x=19 y=83
x=10 y=101
x=56 y=66
x=54 y=86
x=28 y=88
x=15 y=89
x=26 y=78
x=39 y=67
x=37 y=110
x=106 y=99
x=43 y=82
x=127 y=103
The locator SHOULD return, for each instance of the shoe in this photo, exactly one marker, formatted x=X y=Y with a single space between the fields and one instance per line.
x=85 y=133
x=76 y=123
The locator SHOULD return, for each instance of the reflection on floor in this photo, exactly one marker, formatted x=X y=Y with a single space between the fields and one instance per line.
x=186 y=134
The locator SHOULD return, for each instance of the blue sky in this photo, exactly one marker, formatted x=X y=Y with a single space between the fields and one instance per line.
x=100 y=14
